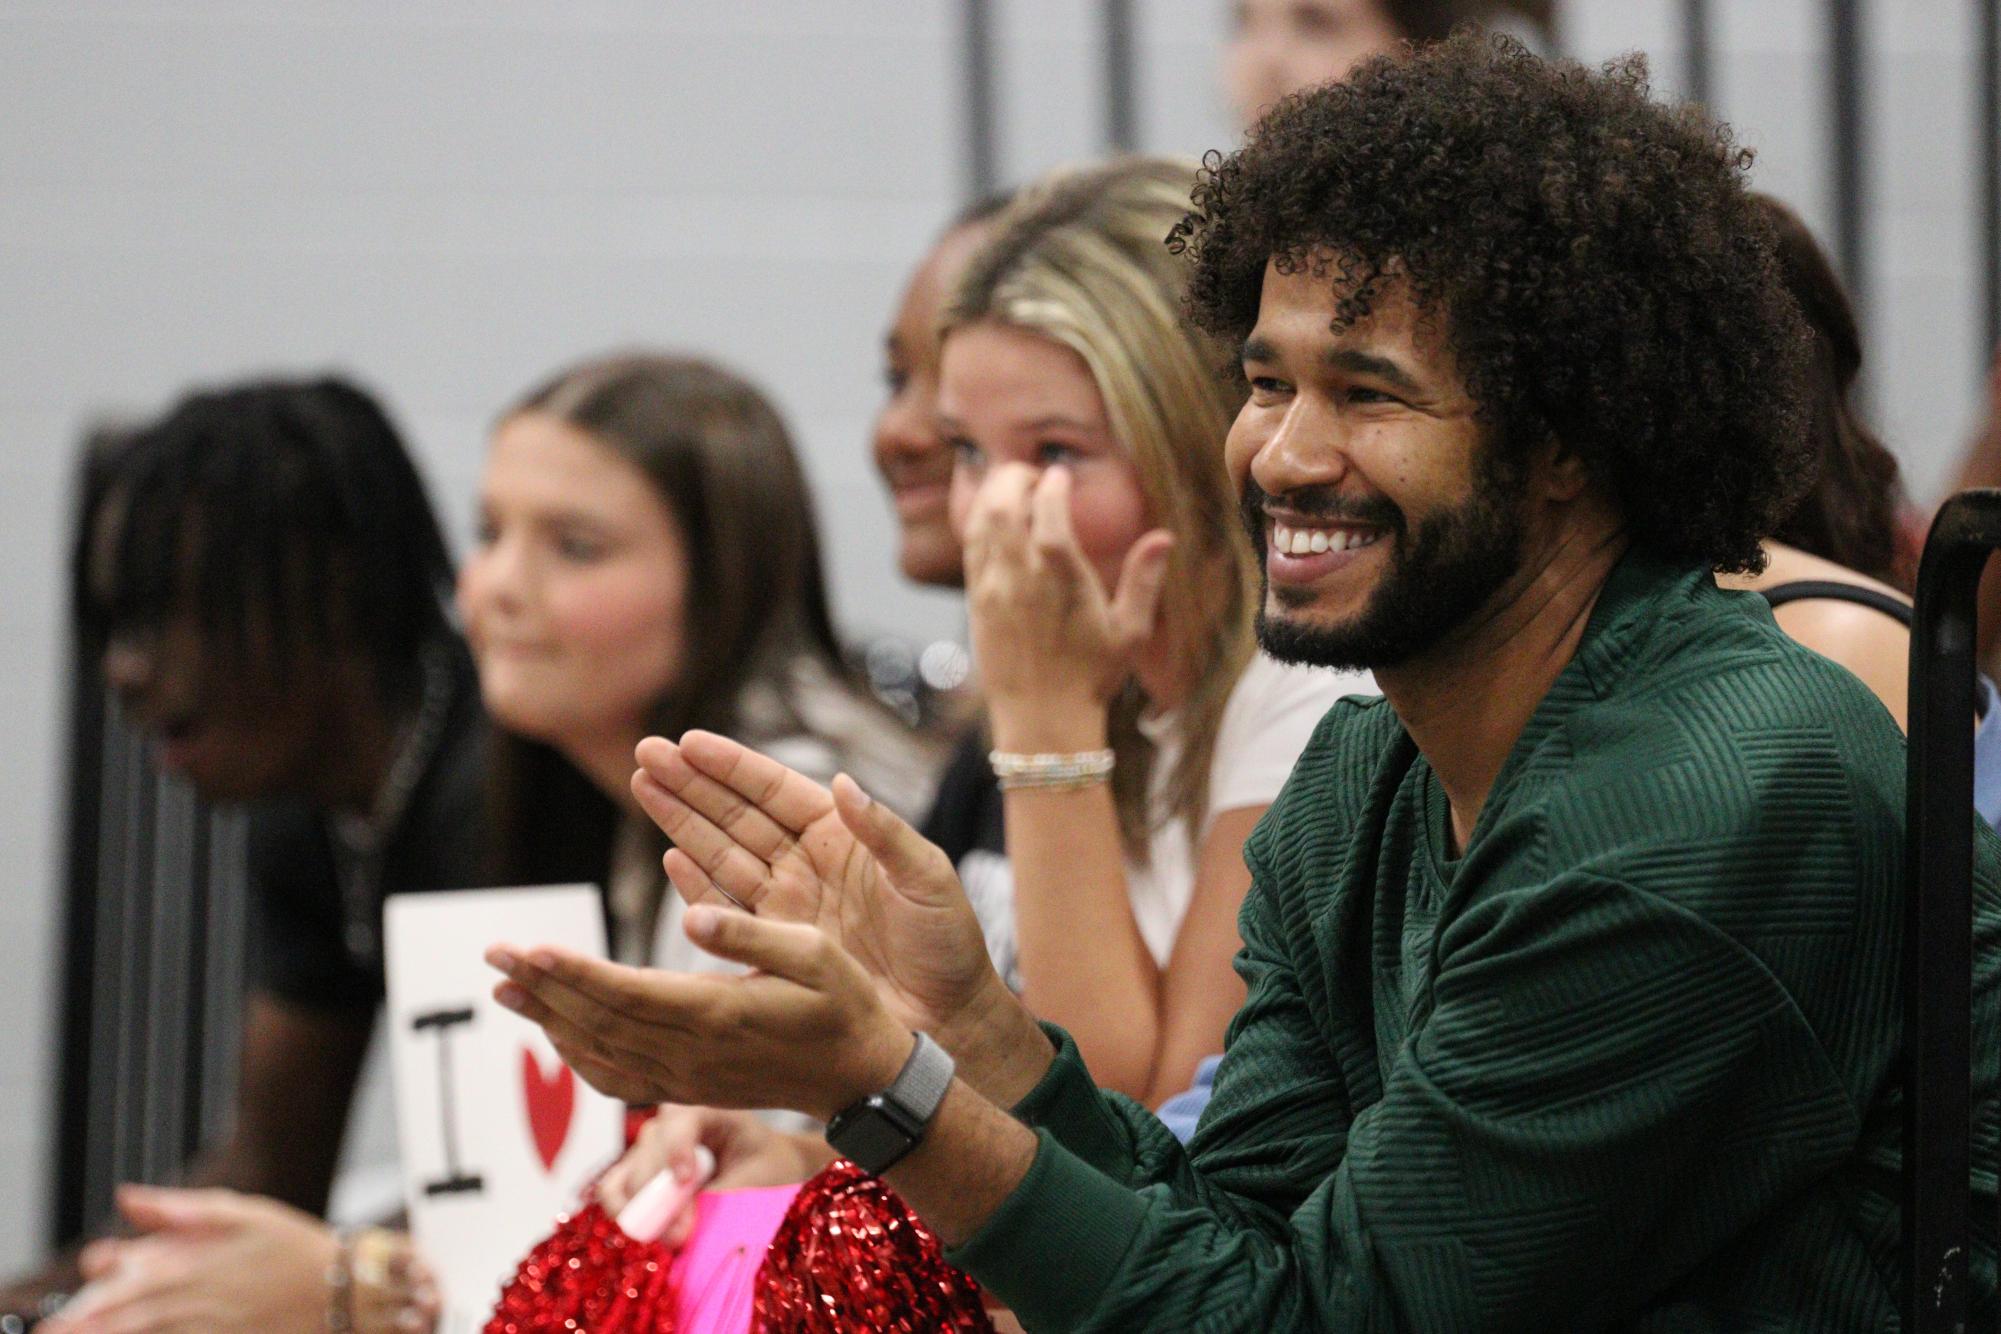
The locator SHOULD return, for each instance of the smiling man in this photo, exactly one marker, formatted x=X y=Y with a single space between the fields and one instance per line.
x=1571 y=960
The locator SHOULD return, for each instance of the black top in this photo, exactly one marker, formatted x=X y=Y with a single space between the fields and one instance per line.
x=967 y=815
x=313 y=947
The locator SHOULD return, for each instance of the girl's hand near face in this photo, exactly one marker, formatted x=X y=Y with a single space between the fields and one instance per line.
x=1052 y=643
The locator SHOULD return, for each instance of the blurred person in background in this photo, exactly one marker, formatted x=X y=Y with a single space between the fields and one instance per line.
x=264 y=583
x=1280 y=46
x=910 y=453
x=647 y=561
x=1851 y=515
x=915 y=462
x=1835 y=569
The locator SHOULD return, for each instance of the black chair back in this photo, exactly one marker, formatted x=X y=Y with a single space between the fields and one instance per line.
x=1938 y=917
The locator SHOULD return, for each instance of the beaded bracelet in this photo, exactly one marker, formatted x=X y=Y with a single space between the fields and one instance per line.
x=340 y=1287
x=1056 y=771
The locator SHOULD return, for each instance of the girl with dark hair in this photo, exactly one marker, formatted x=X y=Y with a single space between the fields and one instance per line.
x=1840 y=568
x=1852 y=514
x=1835 y=571
x=909 y=450
x=647 y=562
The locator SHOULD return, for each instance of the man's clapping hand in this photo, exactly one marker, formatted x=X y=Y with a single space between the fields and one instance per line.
x=856 y=929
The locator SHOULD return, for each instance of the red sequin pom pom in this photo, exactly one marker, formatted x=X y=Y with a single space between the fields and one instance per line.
x=588 y=1275
x=850 y=1256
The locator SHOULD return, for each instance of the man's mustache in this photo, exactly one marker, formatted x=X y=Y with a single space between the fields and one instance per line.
x=1316 y=502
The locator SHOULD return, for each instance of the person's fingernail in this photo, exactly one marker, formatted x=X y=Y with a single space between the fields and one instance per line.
x=862 y=799
x=541 y=959
x=511 y=996
x=502 y=959
x=702 y=922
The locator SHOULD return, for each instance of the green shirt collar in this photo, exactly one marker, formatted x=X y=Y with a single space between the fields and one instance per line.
x=1642 y=591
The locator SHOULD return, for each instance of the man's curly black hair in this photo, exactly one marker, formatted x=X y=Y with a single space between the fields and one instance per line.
x=1593 y=259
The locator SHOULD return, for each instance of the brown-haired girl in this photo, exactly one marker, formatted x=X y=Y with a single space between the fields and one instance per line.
x=647 y=562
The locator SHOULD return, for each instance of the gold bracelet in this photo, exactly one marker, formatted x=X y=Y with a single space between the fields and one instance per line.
x=1057 y=771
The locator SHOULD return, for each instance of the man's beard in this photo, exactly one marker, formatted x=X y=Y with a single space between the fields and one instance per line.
x=1437 y=578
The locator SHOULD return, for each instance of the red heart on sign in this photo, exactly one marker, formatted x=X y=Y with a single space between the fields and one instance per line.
x=551 y=1099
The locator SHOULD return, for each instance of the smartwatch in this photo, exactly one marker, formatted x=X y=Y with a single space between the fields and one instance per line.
x=878 y=1132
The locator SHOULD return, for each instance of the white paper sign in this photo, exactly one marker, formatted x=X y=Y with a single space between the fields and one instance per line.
x=498 y=1137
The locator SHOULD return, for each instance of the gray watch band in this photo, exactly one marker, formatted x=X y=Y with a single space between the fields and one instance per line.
x=920 y=1086
x=876 y=1133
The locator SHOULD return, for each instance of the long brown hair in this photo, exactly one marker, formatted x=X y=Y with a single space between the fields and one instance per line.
x=1081 y=258
x=1850 y=514
x=724 y=464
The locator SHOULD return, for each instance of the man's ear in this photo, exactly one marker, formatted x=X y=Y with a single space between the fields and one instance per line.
x=1561 y=473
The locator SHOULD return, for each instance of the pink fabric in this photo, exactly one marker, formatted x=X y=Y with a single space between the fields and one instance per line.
x=715 y=1271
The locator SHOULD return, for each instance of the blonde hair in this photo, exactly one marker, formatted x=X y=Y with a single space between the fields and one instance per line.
x=1081 y=258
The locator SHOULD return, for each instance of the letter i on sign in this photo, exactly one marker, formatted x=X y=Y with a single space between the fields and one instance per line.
x=456 y=1180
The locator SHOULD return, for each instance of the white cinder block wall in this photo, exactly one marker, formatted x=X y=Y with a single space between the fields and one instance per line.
x=449 y=198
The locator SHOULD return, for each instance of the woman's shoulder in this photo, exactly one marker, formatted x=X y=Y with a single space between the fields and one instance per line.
x=834 y=726
x=1271 y=715
x=1272 y=693
x=1870 y=643
x=1790 y=565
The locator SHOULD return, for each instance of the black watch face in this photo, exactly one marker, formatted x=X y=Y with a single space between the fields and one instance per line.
x=870 y=1140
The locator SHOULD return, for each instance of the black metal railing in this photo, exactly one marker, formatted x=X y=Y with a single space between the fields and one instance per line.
x=154 y=943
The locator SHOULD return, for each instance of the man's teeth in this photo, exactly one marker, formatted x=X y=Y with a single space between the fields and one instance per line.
x=1313 y=541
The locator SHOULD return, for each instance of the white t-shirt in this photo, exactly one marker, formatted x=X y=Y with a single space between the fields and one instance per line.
x=1271 y=713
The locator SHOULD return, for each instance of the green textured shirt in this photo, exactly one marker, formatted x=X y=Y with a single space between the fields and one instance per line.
x=1628 y=1062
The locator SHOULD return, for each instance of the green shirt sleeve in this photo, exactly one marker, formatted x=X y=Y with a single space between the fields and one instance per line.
x=1604 y=1091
